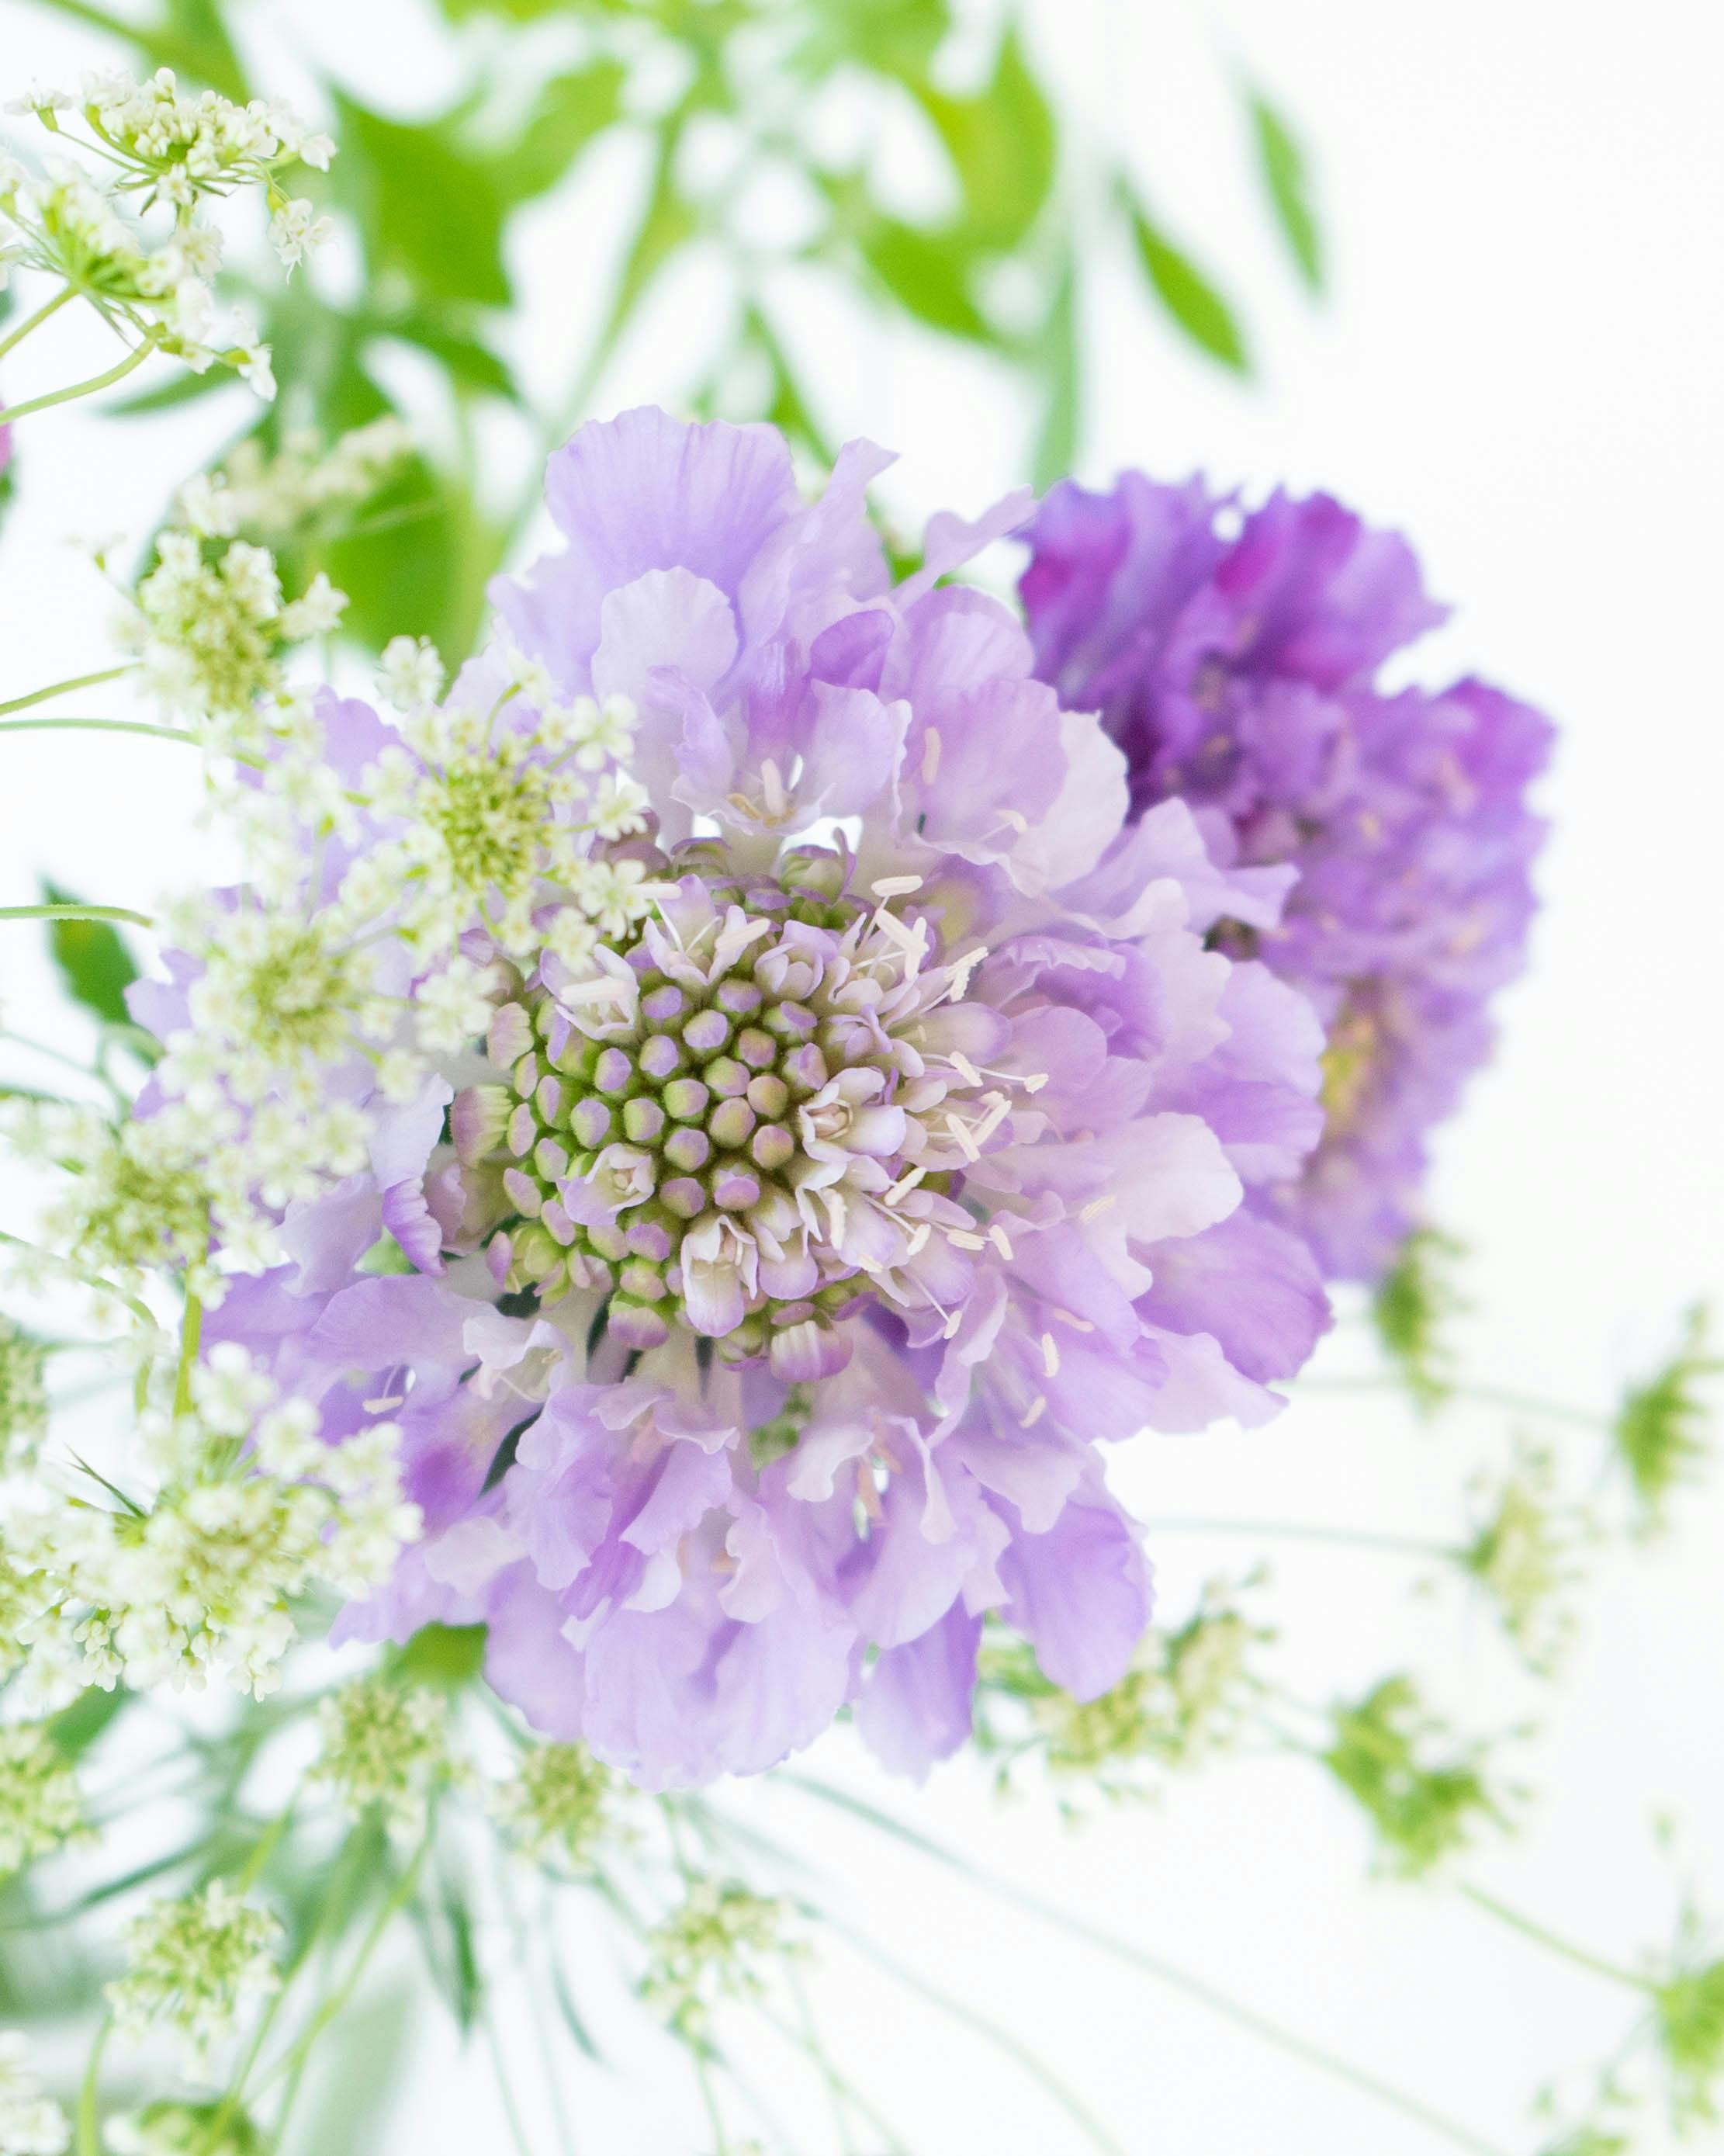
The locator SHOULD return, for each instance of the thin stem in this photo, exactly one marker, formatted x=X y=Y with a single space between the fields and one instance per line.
x=133 y=360
x=53 y=307
x=396 y=1901
x=1552 y=1941
x=896 y=2145
x=499 y=2075
x=191 y=1333
x=140 y=1310
x=1298 y=1531
x=89 y=2097
x=76 y=913
x=97 y=727
x=990 y=2031
x=1491 y=1396
x=65 y=688
x=1219 y=2002
x=816 y=2051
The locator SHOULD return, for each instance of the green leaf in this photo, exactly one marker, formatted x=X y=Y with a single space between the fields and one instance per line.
x=444 y=1656
x=1185 y=292
x=925 y=273
x=510 y=11
x=1288 y=183
x=188 y=36
x=1003 y=145
x=94 y=964
x=427 y=208
x=1061 y=374
x=467 y=362
x=896 y=37
x=183 y=388
x=572 y=109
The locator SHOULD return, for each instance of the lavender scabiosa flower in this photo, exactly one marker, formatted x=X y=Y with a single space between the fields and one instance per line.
x=879 y=1136
x=1237 y=671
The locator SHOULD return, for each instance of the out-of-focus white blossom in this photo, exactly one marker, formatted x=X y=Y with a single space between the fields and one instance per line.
x=196 y=1968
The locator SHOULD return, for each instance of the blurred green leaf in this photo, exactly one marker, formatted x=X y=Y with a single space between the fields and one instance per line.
x=1288 y=182
x=183 y=388
x=354 y=2075
x=467 y=362
x=924 y=272
x=427 y=208
x=186 y=35
x=572 y=109
x=1061 y=372
x=897 y=38
x=1186 y=293
x=94 y=964
x=445 y=1656
x=510 y=11
x=1001 y=143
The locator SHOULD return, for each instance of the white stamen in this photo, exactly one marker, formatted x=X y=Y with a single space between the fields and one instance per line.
x=1035 y=1082
x=965 y=1239
x=384 y=1406
x=966 y=1144
x=895 y=886
x=1096 y=1207
x=965 y=1069
x=1077 y=1324
x=904 y=1184
x=1038 y=1408
x=950 y=1328
x=1018 y=823
x=931 y=755
x=997 y=1236
x=1050 y=1356
x=918 y=1238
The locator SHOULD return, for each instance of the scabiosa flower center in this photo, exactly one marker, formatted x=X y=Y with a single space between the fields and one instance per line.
x=759 y=1112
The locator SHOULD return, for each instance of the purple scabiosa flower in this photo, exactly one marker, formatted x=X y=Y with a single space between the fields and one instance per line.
x=805 y=1231
x=1235 y=661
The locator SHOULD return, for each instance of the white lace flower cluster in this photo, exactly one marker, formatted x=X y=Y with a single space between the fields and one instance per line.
x=384 y=1746
x=41 y=1808
x=252 y=1508
x=162 y=153
x=196 y=1968
x=31 y=2124
x=210 y=623
x=213 y=629
x=155 y=1193
x=298 y=488
x=23 y=1395
x=493 y=805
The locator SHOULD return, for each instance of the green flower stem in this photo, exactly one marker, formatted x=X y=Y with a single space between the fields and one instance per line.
x=294 y=2058
x=88 y=2138
x=98 y=726
x=76 y=913
x=990 y=2031
x=1490 y=1396
x=845 y=2091
x=191 y=1333
x=139 y=1311
x=1205 y=1994
x=53 y=307
x=133 y=360
x=65 y=688
x=1298 y=1531
x=1552 y=1942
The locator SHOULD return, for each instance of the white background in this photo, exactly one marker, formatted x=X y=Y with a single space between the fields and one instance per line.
x=1518 y=364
